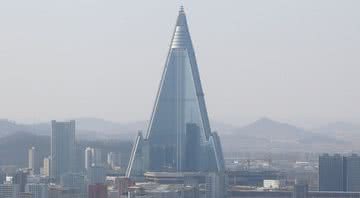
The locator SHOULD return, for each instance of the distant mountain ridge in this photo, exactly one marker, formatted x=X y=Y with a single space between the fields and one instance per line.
x=268 y=135
x=262 y=135
x=86 y=128
x=8 y=127
x=335 y=127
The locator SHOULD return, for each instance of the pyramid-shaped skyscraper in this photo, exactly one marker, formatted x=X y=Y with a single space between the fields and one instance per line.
x=179 y=138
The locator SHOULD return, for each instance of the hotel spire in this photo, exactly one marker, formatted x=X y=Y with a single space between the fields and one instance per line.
x=179 y=138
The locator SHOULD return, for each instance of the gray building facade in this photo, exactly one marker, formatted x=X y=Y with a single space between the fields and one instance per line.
x=352 y=173
x=37 y=190
x=339 y=173
x=62 y=148
x=331 y=173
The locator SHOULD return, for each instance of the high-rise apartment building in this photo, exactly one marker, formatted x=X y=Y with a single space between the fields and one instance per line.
x=75 y=182
x=62 y=148
x=96 y=175
x=215 y=185
x=97 y=191
x=179 y=137
x=46 y=166
x=20 y=178
x=301 y=189
x=57 y=191
x=34 y=163
x=339 y=173
x=2 y=177
x=9 y=190
x=88 y=158
x=79 y=164
x=352 y=173
x=113 y=159
x=25 y=195
x=93 y=157
x=97 y=157
x=37 y=190
x=331 y=173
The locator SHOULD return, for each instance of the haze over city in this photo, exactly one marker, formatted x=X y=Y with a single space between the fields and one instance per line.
x=179 y=99
x=292 y=61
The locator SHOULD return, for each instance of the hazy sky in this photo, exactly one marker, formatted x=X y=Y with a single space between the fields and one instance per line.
x=293 y=61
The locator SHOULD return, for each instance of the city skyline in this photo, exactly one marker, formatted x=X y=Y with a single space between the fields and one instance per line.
x=279 y=79
x=271 y=68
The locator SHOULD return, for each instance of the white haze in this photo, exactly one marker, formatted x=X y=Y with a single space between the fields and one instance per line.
x=293 y=61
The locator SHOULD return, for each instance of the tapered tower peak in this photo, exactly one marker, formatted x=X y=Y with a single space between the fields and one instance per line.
x=181 y=20
x=182 y=9
x=181 y=37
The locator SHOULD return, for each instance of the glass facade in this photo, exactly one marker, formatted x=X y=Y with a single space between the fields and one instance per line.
x=179 y=137
x=177 y=106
